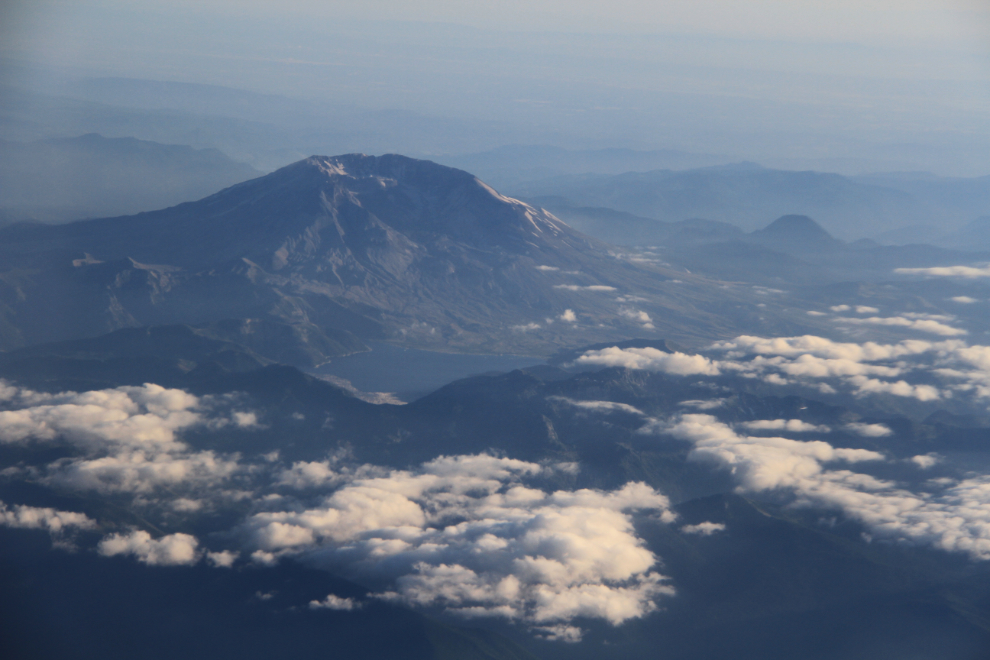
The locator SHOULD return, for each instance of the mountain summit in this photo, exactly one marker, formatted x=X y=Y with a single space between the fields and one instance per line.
x=385 y=247
x=796 y=232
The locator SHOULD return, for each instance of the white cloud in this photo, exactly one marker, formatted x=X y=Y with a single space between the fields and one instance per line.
x=815 y=313
x=141 y=472
x=760 y=463
x=31 y=517
x=144 y=417
x=706 y=404
x=964 y=272
x=222 y=559
x=924 y=325
x=863 y=309
x=170 y=550
x=869 y=430
x=965 y=300
x=576 y=287
x=600 y=406
x=560 y=633
x=650 y=359
x=704 y=528
x=548 y=268
x=332 y=602
x=792 y=425
x=864 y=368
x=308 y=474
x=925 y=461
x=466 y=533
x=128 y=436
x=526 y=327
x=637 y=315
x=840 y=308
x=245 y=419
x=828 y=366
x=955 y=518
x=568 y=316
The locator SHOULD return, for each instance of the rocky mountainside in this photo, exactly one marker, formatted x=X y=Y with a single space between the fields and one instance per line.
x=383 y=247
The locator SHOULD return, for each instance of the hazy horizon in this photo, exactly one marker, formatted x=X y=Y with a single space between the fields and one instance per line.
x=836 y=87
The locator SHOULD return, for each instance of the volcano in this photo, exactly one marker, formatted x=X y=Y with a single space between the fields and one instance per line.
x=384 y=248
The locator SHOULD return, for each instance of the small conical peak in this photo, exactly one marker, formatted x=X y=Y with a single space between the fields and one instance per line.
x=796 y=226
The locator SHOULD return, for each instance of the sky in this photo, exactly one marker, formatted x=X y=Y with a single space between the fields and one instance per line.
x=869 y=85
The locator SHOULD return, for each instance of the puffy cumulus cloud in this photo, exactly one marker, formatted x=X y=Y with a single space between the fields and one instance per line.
x=828 y=366
x=821 y=347
x=51 y=520
x=468 y=534
x=954 y=517
x=925 y=461
x=147 y=416
x=637 y=315
x=222 y=559
x=141 y=472
x=333 y=602
x=568 y=316
x=929 y=325
x=840 y=308
x=650 y=359
x=964 y=272
x=170 y=550
x=307 y=474
x=128 y=436
x=760 y=463
x=869 y=430
x=963 y=300
x=863 y=309
x=706 y=528
x=865 y=369
x=791 y=425
x=902 y=388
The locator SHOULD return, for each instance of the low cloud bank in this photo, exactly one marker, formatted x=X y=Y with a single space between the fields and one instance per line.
x=170 y=550
x=650 y=359
x=128 y=436
x=951 y=515
x=31 y=517
x=905 y=369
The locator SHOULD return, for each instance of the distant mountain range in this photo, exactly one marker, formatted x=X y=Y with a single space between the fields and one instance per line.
x=747 y=194
x=91 y=176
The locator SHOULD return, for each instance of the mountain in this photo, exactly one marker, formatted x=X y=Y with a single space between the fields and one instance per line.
x=746 y=195
x=795 y=233
x=91 y=176
x=379 y=247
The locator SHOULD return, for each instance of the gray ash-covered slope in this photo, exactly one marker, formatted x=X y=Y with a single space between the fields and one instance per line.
x=382 y=247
